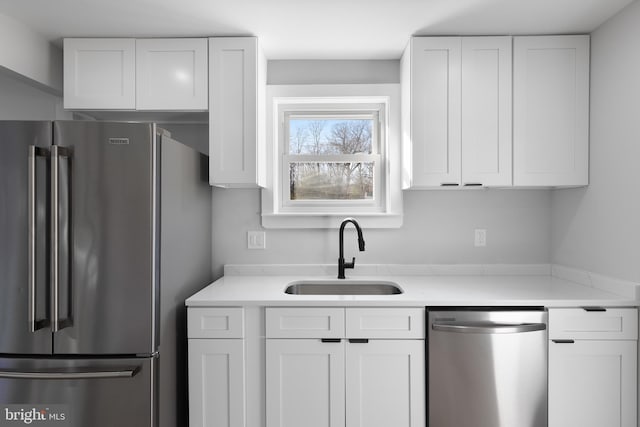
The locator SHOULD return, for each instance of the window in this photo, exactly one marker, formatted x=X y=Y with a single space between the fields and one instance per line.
x=331 y=157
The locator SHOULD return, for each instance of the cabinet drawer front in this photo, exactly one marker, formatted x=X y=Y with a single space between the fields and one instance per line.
x=578 y=323
x=322 y=322
x=385 y=323
x=207 y=322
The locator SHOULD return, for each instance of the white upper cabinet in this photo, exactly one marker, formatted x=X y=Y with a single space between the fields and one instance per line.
x=237 y=84
x=457 y=112
x=469 y=120
x=551 y=110
x=99 y=74
x=431 y=111
x=486 y=111
x=130 y=74
x=171 y=74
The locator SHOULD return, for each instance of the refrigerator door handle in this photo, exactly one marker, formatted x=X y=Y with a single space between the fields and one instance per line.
x=56 y=153
x=34 y=323
x=88 y=375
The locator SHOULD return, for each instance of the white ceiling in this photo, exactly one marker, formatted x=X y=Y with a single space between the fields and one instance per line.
x=311 y=29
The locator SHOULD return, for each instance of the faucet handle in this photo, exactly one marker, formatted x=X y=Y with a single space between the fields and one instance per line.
x=350 y=264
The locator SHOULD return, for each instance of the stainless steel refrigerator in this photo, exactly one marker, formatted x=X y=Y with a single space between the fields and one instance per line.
x=105 y=228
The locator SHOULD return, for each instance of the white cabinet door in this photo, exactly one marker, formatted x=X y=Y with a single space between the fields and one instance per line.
x=237 y=82
x=172 y=74
x=592 y=384
x=216 y=383
x=99 y=74
x=486 y=111
x=551 y=111
x=305 y=383
x=386 y=383
x=434 y=108
x=457 y=122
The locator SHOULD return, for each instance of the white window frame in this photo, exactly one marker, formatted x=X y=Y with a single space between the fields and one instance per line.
x=381 y=100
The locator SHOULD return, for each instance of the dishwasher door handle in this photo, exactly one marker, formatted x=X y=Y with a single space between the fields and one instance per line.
x=484 y=328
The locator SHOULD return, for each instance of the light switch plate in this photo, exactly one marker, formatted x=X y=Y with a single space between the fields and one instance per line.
x=256 y=240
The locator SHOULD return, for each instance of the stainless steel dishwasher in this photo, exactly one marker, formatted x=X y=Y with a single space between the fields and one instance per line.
x=487 y=368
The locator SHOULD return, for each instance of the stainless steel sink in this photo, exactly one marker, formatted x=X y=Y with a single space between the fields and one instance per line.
x=341 y=287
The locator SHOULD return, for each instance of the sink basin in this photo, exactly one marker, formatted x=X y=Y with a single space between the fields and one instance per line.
x=341 y=287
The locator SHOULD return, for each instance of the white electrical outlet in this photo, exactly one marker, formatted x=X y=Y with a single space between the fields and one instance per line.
x=480 y=237
x=256 y=240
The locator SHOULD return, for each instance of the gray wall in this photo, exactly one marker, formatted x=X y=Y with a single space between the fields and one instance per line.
x=438 y=225
x=438 y=229
x=195 y=135
x=598 y=228
x=22 y=101
x=30 y=55
x=289 y=72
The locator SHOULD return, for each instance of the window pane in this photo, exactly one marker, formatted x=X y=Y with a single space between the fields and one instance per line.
x=330 y=136
x=331 y=181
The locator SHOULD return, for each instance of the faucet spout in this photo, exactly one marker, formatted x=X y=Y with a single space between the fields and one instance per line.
x=342 y=264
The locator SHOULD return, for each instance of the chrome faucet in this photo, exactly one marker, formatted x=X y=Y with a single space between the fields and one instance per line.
x=341 y=262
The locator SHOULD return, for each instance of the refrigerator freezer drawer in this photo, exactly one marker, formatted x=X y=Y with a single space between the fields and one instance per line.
x=80 y=392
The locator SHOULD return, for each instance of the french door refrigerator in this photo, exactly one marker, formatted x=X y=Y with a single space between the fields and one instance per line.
x=81 y=269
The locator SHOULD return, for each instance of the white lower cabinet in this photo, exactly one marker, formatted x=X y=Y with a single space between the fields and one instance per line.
x=592 y=379
x=305 y=383
x=217 y=368
x=347 y=381
x=216 y=383
x=592 y=384
x=365 y=367
x=385 y=383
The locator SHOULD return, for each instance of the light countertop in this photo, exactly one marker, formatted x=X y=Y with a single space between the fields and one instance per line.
x=452 y=290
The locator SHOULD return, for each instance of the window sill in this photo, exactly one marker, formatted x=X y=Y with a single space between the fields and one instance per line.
x=330 y=220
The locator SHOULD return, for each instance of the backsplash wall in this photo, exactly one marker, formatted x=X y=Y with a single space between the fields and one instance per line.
x=438 y=228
